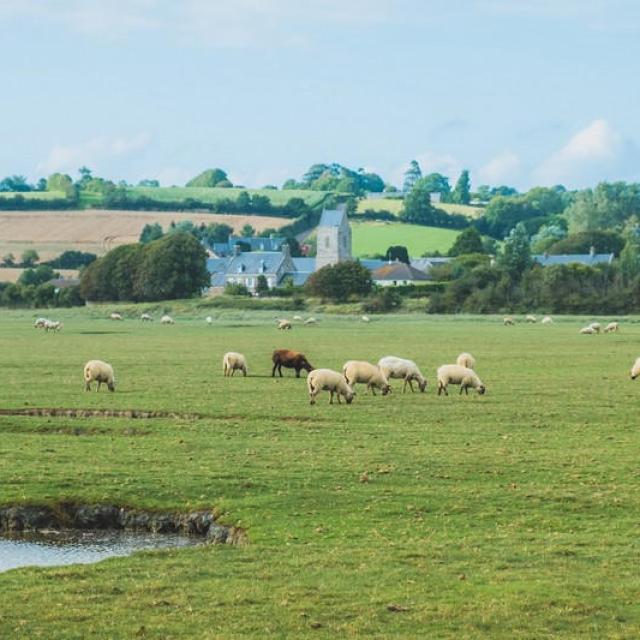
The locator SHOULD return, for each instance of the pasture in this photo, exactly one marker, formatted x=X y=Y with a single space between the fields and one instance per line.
x=514 y=514
x=394 y=205
x=370 y=238
x=97 y=231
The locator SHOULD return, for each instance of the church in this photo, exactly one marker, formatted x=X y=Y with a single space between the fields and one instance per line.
x=333 y=245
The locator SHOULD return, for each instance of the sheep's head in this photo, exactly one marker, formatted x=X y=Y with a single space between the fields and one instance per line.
x=349 y=395
x=482 y=389
x=111 y=385
x=422 y=385
x=386 y=388
x=306 y=365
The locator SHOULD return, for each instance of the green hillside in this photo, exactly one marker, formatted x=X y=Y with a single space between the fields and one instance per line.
x=394 y=205
x=33 y=195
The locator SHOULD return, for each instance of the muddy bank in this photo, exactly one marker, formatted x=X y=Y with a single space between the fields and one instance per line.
x=70 y=516
x=97 y=413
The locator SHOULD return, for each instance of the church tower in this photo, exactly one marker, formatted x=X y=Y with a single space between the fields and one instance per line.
x=334 y=237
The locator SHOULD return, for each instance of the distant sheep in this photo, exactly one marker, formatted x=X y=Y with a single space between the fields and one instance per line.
x=297 y=318
x=508 y=321
x=167 y=320
x=328 y=380
x=145 y=317
x=290 y=360
x=400 y=368
x=364 y=372
x=101 y=372
x=39 y=323
x=455 y=374
x=635 y=370
x=51 y=325
x=284 y=325
x=115 y=316
x=365 y=319
x=232 y=362
x=209 y=320
x=466 y=360
x=547 y=320
x=612 y=327
x=311 y=321
x=531 y=319
x=595 y=326
x=588 y=331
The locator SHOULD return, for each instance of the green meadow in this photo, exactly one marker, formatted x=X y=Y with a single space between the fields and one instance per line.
x=508 y=515
x=376 y=237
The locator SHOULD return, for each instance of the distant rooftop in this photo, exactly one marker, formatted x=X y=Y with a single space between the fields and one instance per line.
x=589 y=259
x=333 y=217
x=398 y=271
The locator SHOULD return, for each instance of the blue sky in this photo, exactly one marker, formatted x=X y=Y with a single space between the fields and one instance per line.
x=519 y=92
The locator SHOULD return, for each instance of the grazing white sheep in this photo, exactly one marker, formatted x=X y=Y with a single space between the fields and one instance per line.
x=328 y=380
x=145 y=317
x=167 y=320
x=508 y=320
x=393 y=367
x=51 y=325
x=101 y=372
x=39 y=323
x=232 y=362
x=595 y=326
x=635 y=370
x=115 y=316
x=612 y=327
x=360 y=371
x=531 y=319
x=455 y=374
x=547 y=320
x=297 y=318
x=311 y=320
x=587 y=331
x=466 y=360
x=209 y=320
x=365 y=319
x=283 y=325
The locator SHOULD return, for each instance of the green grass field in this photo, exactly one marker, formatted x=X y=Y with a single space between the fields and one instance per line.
x=394 y=205
x=277 y=197
x=375 y=237
x=33 y=195
x=511 y=515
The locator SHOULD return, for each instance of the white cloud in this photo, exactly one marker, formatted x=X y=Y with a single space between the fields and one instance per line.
x=597 y=152
x=92 y=153
x=502 y=168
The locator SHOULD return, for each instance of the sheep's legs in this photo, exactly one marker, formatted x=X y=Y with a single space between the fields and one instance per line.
x=404 y=386
x=273 y=371
x=98 y=386
x=331 y=397
x=411 y=385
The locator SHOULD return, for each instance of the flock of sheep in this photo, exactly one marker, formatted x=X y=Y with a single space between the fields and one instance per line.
x=593 y=328
x=361 y=372
x=47 y=325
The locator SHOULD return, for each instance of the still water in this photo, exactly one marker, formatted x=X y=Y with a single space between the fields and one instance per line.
x=84 y=547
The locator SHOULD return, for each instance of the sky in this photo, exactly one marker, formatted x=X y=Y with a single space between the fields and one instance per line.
x=519 y=92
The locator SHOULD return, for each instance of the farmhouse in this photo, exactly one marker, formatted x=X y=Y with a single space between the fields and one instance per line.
x=397 y=274
x=589 y=259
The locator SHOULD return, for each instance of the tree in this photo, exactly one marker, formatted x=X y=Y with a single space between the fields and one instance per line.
x=85 y=174
x=151 y=232
x=60 y=182
x=630 y=256
x=247 y=231
x=209 y=178
x=9 y=260
x=601 y=241
x=217 y=232
x=417 y=204
x=411 y=176
x=41 y=185
x=469 y=241
x=397 y=252
x=340 y=281
x=243 y=202
x=29 y=257
x=608 y=206
x=15 y=183
x=462 y=191
x=516 y=254
x=262 y=286
x=72 y=259
x=149 y=183
x=41 y=274
x=437 y=183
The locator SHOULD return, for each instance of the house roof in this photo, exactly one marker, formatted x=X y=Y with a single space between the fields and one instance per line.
x=399 y=271
x=64 y=283
x=255 y=262
x=581 y=258
x=425 y=264
x=372 y=263
x=333 y=217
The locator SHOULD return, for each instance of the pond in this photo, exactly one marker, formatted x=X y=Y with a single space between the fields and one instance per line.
x=83 y=547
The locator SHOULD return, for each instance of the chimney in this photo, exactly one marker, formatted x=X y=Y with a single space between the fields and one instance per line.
x=592 y=251
x=286 y=252
x=236 y=250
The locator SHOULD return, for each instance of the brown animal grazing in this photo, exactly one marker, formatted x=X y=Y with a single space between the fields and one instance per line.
x=290 y=360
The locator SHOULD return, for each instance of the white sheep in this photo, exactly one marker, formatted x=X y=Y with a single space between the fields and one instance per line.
x=360 y=371
x=39 y=323
x=365 y=319
x=587 y=331
x=595 y=326
x=115 y=316
x=612 y=327
x=635 y=370
x=297 y=318
x=508 y=321
x=283 y=325
x=51 y=325
x=209 y=320
x=400 y=368
x=328 y=380
x=466 y=360
x=232 y=362
x=311 y=320
x=145 y=317
x=531 y=319
x=455 y=374
x=547 y=320
x=100 y=372
x=166 y=319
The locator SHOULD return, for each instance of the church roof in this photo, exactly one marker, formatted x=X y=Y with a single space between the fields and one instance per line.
x=333 y=217
x=398 y=271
